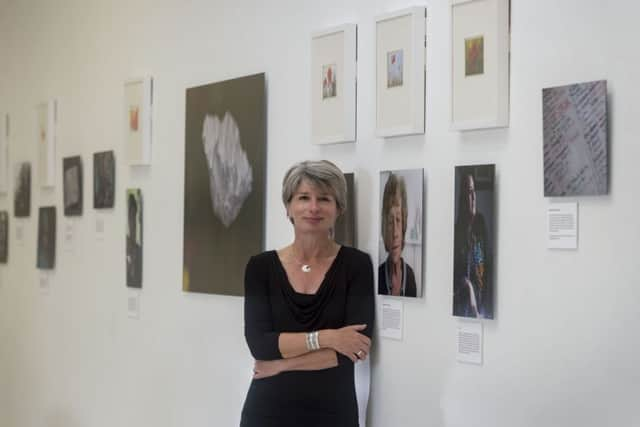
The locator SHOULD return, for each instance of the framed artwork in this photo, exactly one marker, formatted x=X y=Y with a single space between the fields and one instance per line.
x=138 y=103
x=104 y=179
x=333 y=85
x=576 y=160
x=4 y=153
x=473 y=272
x=400 y=72
x=479 y=64
x=46 y=238
x=224 y=185
x=72 y=183
x=400 y=246
x=22 y=190
x=345 y=227
x=134 y=238
x=4 y=237
x=46 y=138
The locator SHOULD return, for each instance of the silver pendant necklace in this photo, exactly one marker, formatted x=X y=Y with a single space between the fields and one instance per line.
x=305 y=268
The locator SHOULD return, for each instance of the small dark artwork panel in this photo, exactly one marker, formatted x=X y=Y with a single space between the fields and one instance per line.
x=134 y=238
x=345 y=228
x=72 y=179
x=22 y=195
x=4 y=237
x=46 y=238
x=104 y=179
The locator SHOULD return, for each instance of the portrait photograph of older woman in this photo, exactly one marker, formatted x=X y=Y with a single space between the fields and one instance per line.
x=309 y=311
x=401 y=225
x=473 y=286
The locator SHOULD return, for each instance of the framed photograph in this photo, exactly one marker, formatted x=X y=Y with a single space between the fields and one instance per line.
x=345 y=227
x=4 y=237
x=400 y=72
x=473 y=254
x=72 y=185
x=479 y=64
x=4 y=153
x=46 y=238
x=22 y=190
x=224 y=183
x=400 y=246
x=333 y=85
x=138 y=102
x=576 y=159
x=104 y=179
x=134 y=238
x=46 y=139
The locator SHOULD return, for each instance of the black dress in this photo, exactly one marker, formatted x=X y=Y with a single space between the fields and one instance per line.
x=323 y=398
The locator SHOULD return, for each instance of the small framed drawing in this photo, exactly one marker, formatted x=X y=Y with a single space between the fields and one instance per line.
x=138 y=101
x=479 y=64
x=46 y=116
x=400 y=72
x=333 y=85
x=4 y=153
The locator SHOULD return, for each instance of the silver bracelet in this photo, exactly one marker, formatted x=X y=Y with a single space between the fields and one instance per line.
x=312 y=341
x=308 y=338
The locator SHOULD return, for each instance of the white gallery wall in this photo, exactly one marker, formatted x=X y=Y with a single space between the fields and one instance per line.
x=563 y=349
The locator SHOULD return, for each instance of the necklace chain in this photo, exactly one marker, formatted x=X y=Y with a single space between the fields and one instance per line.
x=305 y=267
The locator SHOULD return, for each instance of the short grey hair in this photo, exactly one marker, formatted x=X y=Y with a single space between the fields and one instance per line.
x=321 y=173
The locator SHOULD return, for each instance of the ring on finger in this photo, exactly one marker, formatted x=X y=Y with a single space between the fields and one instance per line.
x=360 y=353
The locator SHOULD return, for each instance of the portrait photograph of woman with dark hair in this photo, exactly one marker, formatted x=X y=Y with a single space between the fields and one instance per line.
x=473 y=285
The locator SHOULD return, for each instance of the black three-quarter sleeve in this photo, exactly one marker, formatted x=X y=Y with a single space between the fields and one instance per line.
x=258 y=323
x=360 y=304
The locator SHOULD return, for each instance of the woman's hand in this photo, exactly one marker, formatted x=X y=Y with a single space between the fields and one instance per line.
x=267 y=368
x=347 y=341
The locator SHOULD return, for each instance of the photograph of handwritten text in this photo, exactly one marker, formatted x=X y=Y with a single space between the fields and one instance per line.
x=575 y=139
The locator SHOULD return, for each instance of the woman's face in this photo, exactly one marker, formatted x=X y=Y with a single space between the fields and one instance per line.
x=470 y=189
x=394 y=230
x=312 y=209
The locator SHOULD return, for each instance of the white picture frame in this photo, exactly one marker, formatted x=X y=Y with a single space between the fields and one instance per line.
x=4 y=153
x=401 y=72
x=46 y=129
x=137 y=107
x=479 y=64
x=333 y=85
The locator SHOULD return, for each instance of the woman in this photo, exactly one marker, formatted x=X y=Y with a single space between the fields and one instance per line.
x=309 y=312
x=471 y=293
x=395 y=276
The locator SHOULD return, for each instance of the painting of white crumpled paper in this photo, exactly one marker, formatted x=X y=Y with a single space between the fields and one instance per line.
x=230 y=174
